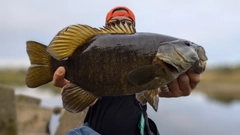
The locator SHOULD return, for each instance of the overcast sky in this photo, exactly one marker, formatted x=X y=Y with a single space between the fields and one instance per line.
x=214 y=24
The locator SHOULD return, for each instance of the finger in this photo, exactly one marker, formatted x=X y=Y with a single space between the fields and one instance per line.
x=174 y=90
x=184 y=84
x=58 y=77
x=194 y=78
x=165 y=94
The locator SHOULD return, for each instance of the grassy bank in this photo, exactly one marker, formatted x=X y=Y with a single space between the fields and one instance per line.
x=218 y=83
x=221 y=83
x=17 y=78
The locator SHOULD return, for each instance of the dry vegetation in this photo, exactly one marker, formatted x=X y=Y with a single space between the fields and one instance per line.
x=219 y=83
x=17 y=78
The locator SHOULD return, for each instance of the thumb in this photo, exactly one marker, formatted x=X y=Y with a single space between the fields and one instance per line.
x=58 y=77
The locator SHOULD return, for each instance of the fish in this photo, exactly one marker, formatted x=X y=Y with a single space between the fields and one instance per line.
x=111 y=61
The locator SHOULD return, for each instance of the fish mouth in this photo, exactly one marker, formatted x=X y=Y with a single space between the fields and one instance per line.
x=166 y=69
x=171 y=67
x=171 y=64
x=177 y=56
x=200 y=65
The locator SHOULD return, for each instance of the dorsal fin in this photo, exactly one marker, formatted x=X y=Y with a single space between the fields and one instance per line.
x=122 y=28
x=68 y=39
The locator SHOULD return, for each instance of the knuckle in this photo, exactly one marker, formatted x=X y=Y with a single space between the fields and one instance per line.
x=176 y=94
x=187 y=93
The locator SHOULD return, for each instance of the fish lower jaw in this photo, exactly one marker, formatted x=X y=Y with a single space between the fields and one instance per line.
x=166 y=65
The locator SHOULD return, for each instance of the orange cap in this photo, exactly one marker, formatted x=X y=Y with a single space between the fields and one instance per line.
x=112 y=14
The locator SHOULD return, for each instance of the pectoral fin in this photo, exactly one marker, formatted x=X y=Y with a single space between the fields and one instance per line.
x=150 y=96
x=75 y=99
x=142 y=75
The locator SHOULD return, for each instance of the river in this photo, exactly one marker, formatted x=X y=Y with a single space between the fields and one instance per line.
x=192 y=115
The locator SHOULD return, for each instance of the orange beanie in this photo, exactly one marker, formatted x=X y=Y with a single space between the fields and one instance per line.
x=112 y=14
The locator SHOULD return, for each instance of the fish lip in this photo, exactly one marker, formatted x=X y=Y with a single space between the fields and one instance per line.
x=173 y=68
x=182 y=55
x=200 y=65
x=178 y=55
x=167 y=63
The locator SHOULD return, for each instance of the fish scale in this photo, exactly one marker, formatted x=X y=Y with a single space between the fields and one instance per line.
x=112 y=61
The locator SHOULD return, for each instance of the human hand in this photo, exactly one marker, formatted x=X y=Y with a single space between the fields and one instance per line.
x=60 y=81
x=183 y=85
x=58 y=77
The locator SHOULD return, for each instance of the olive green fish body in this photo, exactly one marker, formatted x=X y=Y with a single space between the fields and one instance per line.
x=103 y=67
x=111 y=61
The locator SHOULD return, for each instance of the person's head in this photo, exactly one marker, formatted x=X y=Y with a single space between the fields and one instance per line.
x=120 y=14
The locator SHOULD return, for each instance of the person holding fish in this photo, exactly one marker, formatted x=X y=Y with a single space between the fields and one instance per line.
x=113 y=115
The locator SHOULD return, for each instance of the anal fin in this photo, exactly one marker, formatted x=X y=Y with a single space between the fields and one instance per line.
x=76 y=99
x=150 y=96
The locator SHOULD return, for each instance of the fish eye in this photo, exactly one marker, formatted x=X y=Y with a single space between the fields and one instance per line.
x=187 y=43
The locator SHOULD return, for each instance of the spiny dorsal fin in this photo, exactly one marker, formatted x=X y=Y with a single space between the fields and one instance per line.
x=68 y=39
x=122 y=28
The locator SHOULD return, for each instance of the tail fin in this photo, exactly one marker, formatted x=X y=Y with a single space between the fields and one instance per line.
x=39 y=72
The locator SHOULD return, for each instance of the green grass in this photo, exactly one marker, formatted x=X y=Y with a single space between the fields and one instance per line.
x=219 y=83
x=17 y=78
x=229 y=76
x=12 y=77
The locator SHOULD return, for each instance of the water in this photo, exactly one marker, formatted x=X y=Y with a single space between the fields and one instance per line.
x=192 y=115
x=196 y=115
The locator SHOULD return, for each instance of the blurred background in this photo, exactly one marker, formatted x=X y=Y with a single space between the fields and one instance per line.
x=213 y=108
